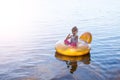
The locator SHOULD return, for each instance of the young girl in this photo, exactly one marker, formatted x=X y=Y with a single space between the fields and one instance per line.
x=73 y=38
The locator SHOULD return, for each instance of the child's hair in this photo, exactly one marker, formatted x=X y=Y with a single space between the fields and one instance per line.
x=74 y=29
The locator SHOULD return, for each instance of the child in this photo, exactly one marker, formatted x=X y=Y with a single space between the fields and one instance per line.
x=73 y=38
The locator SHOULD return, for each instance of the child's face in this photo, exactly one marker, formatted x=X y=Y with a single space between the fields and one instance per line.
x=74 y=32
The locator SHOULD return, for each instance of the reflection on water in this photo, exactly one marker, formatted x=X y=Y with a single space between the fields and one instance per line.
x=73 y=65
x=71 y=61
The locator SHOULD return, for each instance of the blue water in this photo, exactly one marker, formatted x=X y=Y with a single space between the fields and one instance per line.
x=29 y=30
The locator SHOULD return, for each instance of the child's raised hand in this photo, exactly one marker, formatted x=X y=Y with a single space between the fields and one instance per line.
x=68 y=36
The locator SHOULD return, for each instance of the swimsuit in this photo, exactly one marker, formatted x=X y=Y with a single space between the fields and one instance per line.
x=73 y=41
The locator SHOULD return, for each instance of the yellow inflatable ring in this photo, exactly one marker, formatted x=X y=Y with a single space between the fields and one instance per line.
x=81 y=49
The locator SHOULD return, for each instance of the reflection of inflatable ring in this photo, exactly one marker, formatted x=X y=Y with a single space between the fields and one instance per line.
x=84 y=58
x=82 y=48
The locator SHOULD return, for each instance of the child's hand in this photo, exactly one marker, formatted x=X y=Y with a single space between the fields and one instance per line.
x=68 y=36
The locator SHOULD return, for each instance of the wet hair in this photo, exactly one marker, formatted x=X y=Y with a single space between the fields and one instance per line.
x=74 y=29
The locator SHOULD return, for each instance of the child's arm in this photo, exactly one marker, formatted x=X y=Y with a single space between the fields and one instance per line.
x=76 y=38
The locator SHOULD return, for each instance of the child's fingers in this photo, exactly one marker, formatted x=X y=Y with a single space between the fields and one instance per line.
x=69 y=35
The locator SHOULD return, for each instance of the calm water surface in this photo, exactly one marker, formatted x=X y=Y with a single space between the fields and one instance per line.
x=29 y=30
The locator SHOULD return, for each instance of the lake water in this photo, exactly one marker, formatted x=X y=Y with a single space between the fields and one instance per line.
x=29 y=30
